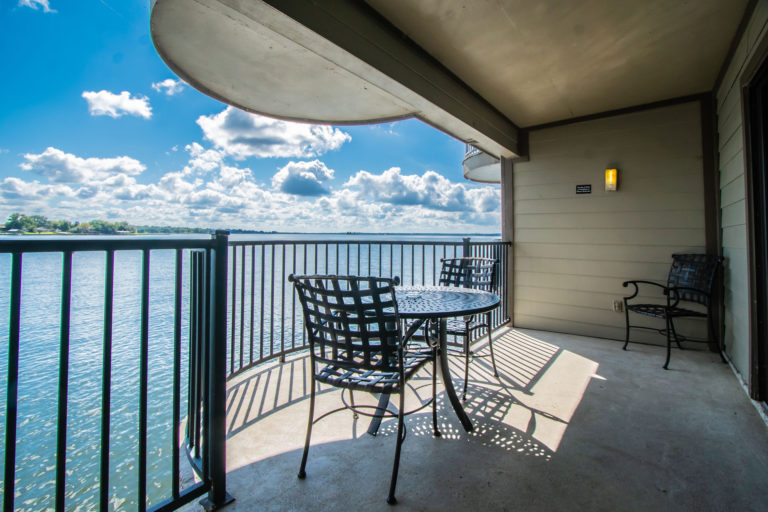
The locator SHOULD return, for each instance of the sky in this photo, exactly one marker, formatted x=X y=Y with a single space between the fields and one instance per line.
x=93 y=124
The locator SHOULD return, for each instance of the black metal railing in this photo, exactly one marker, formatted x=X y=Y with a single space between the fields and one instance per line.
x=144 y=296
x=264 y=320
x=168 y=321
x=470 y=150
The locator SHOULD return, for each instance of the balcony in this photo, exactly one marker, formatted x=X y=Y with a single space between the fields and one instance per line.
x=202 y=355
x=480 y=166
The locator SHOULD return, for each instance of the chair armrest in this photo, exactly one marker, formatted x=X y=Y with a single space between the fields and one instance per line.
x=634 y=283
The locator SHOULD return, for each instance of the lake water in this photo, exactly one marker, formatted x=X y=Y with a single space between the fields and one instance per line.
x=39 y=356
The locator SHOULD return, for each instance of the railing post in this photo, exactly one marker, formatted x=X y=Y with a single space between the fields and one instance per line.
x=466 y=248
x=217 y=433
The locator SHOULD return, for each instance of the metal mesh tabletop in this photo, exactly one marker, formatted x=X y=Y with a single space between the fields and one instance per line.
x=426 y=302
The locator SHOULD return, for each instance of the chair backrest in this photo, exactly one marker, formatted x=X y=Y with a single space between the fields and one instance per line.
x=351 y=322
x=693 y=271
x=468 y=272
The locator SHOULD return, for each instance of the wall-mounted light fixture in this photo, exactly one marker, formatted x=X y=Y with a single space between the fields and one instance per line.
x=611 y=180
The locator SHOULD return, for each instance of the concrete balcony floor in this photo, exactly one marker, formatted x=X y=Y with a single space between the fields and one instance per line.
x=574 y=423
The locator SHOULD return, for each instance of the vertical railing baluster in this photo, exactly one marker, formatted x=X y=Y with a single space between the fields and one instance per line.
x=195 y=320
x=381 y=270
x=337 y=257
x=12 y=384
x=61 y=431
x=272 y=303
x=282 y=306
x=293 y=300
x=261 y=303
x=143 y=380
x=242 y=302
x=369 y=259
x=253 y=298
x=434 y=265
x=423 y=264
x=215 y=328
x=176 y=413
x=106 y=380
x=233 y=320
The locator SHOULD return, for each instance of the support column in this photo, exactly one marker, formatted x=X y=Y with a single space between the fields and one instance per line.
x=508 y=230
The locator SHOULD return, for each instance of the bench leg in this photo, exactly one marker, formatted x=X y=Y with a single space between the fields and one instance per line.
x=626 y=319
x=669 y=342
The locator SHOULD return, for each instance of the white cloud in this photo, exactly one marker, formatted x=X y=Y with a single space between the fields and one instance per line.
x=34 y=4
x=430 y=190
x=105 y=103
x=209 y=192
x=303 y=178
x=169 y=86
x=61 y=167
x=202 y=159
x=15 y=188
x=243 y=135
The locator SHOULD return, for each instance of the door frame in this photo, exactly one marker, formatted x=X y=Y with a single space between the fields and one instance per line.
x=755 y=80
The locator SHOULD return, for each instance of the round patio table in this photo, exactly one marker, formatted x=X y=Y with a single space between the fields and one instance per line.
x=440 y=303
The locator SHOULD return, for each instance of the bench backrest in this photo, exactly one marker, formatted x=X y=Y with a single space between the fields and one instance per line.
x=695 y=271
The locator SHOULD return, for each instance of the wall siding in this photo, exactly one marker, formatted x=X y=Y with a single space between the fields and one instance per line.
x=730 y=125
x=572 y=252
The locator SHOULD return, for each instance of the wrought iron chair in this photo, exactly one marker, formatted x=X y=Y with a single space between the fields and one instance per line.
x=690 y=280
x=480 y=274
x=355 y=341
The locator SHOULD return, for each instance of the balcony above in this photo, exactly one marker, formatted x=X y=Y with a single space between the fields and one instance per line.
x=480 y=166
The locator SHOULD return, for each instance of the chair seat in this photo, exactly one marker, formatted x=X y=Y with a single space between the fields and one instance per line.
x=661 y=311
x=372 y=381
x=457 y=325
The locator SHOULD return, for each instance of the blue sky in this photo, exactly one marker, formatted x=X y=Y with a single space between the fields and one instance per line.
x=94 y=125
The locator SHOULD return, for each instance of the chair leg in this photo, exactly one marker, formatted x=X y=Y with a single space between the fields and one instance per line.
x=669 y=343
x=352 y=403
x=435 y=430
x=302 y=472
x=674 y=334
x=466 y=365
x=400 y=436
x=490 y=343
x=626 y=319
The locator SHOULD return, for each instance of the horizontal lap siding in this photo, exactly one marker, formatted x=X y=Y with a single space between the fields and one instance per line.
x=730 y=128
x=572 y=252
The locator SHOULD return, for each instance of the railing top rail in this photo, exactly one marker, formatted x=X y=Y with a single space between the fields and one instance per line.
x=362 y=242
x=102 y=244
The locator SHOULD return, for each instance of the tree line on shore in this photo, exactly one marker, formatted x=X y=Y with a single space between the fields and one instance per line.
x=28 y=224
x=21 y=223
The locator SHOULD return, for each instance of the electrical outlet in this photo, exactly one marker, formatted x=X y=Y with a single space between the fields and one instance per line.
x=618 y=306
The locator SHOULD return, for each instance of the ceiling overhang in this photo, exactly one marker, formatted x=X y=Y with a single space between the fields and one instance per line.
x=318 y=62
x=476 y=70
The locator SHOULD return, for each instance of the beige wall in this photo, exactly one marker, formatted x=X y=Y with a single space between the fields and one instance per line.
x=732 y=192
x=572 y=252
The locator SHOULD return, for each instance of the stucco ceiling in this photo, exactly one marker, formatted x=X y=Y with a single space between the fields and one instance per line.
x=542 y=61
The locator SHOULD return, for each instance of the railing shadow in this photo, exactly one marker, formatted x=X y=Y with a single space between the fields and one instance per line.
x=521 y=361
